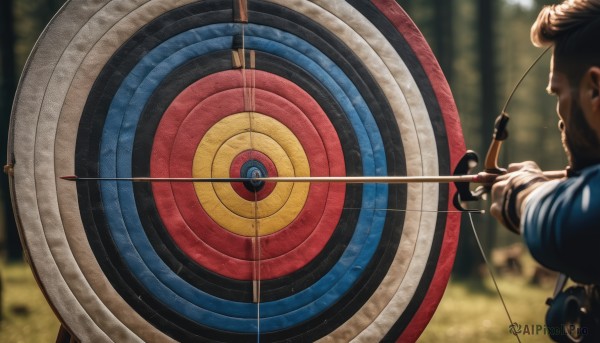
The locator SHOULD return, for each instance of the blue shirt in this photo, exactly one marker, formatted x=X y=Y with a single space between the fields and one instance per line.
x=561 y=225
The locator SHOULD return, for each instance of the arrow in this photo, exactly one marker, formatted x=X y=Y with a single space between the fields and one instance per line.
x=483 y=178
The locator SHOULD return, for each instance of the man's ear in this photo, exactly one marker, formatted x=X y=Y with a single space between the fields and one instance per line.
x=589 y=97
x=591 y=88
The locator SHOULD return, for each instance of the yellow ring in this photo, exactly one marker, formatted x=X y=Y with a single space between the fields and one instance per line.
x=221 y=166
x=205 y=162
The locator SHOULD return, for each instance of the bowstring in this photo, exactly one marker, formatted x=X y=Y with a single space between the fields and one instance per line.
x=487 y=263
x=476 y=211
x=490 y=269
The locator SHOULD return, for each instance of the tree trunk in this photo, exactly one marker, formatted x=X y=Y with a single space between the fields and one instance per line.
x=444 y=36
x=405 y=4
x=489 y=103
x=8 y=86
x=469 y=260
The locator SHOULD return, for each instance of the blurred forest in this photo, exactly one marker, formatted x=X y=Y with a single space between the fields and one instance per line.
x=483 y=47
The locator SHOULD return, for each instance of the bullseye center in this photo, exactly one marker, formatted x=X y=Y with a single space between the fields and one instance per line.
x=253 y=169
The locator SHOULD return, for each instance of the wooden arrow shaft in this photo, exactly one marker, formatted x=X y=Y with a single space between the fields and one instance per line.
x=321 y=179
x=484 y=178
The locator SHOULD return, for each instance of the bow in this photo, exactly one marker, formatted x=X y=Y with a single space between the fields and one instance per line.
x=491 y=170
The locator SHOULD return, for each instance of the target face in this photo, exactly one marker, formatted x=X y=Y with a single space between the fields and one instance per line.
x=182 y=89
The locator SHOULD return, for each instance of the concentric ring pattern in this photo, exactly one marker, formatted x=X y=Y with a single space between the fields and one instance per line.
x=119 y=89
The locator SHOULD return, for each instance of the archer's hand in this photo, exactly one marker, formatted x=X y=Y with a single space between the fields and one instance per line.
x=510 y=191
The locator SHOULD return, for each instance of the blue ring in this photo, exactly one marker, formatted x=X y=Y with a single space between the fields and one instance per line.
x=122 y=215
x=251 y=169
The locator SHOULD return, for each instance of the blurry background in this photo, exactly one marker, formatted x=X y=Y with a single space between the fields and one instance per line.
x=483 y=47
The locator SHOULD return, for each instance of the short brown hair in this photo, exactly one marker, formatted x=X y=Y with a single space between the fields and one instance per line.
x=573 y=28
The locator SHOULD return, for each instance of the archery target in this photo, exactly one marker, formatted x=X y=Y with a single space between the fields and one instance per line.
x=119 y=89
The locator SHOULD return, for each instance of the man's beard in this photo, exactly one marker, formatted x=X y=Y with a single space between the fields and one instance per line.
x=581 y=143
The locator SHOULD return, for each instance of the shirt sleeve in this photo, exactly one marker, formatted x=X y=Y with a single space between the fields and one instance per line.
x=561 y=226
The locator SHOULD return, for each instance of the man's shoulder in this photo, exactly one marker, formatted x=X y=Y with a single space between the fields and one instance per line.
x=589 y=175
x=593 y=171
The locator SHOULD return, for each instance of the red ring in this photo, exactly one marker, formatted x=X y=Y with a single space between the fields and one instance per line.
x=198 y=236
x=200 y=121
x=236 y=167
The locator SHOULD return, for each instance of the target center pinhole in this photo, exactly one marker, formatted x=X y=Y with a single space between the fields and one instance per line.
x=252 y=170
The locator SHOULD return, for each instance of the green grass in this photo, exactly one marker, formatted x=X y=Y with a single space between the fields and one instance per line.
x=467 y=313
x=471 y=313
x=26 y=314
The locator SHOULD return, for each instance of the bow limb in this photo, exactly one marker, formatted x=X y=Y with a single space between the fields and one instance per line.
x=500 y=134
x=500 y=126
